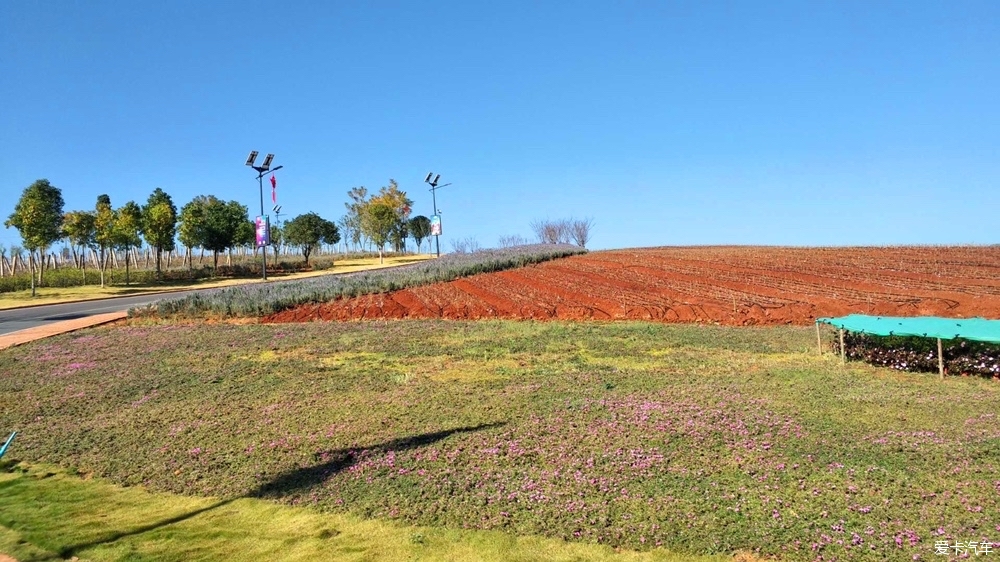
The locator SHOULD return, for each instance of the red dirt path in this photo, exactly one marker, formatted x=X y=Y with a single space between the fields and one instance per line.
x=726 y=285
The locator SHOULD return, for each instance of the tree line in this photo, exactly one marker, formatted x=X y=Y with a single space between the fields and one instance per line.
x=205 y=222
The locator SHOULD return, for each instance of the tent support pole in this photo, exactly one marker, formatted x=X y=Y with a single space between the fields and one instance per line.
x=843 y=352
x=819 y=342
x=940 y=359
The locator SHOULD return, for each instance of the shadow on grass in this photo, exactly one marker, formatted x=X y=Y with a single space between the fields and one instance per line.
x=290 y=482
x=67 y=552
x=302 y=479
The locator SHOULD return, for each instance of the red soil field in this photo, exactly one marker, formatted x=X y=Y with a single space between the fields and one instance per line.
x=731 y=285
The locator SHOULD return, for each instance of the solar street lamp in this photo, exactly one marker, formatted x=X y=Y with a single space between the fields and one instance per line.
x=277 y=221
x=436 y=217
x=263 y=227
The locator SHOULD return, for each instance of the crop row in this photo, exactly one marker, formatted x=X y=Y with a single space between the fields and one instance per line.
x=269 y=298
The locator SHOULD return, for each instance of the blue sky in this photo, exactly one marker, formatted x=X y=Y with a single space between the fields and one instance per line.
x=789 y=123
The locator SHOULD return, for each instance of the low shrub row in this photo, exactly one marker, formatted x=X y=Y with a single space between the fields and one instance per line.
x=269 y=298
x=916 y=354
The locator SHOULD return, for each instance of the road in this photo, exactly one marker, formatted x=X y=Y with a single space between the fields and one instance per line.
x=16 y=319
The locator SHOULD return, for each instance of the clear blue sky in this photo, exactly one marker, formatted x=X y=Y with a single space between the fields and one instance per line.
x=798 y=123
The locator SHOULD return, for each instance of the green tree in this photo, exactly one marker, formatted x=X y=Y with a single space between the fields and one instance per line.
x=192 y=225
x=420 y=228
x=104 y=231
x=246 y=237
x=308 y=231
x=78 y=226
x=159 y=224
x=277 y=237
x=128 y=224
x=398 y=235
x=377 y=222
x=351 y=222
x=392 y=197
x=331 y=234
x=223 y=224
x=38 y=217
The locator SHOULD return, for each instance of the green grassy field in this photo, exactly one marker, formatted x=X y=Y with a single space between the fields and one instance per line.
x=696 y=439
x=59 y=516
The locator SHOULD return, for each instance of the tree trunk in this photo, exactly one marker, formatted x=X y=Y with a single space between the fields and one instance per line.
x=159 y=273
x=31 y=273
x=168 y=258
x=126 y=266
x=102 y=263
x=201 y=260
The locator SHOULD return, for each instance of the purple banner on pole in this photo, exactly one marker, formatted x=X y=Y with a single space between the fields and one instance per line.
x=263 y=231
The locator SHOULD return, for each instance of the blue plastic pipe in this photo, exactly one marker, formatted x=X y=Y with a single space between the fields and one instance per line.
x=7 y=444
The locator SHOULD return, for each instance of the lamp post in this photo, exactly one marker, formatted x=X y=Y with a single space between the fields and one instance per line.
x=277 y=220
x=263 y=170
x=437 y=214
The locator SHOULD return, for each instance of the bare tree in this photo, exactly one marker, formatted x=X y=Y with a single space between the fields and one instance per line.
x=513 y=240
x=552 y=231
x=579 y=231
x=467 y=245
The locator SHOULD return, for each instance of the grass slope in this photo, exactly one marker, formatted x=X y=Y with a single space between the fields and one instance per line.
x=58 y=516
x=699 y=439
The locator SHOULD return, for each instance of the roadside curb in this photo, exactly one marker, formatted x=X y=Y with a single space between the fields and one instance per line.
x=31 y=334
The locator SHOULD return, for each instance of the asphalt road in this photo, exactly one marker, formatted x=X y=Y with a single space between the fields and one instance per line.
x=23 y=318
x=17 y=319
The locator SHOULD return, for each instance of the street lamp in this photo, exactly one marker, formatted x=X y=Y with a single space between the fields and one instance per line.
x=277 y=221
x=263 y=170
x=436 y=218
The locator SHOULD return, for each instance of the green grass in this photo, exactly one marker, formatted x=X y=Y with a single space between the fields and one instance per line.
x=51 y=515
x=701 y=440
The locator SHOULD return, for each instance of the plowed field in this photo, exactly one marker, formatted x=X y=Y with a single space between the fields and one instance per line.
x=725 y=285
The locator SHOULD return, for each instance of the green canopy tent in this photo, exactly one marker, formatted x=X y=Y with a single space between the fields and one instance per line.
x=978 y=329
